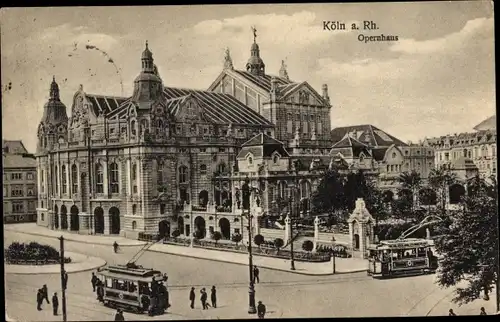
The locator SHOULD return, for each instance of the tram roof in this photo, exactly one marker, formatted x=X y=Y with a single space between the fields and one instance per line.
x=124 y=272
x=400 y=244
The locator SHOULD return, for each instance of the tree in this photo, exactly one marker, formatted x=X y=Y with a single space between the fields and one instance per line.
x=411 y=181
x=440 y=179
x=469 y=245
x=278 y=243
x=258 y=240
x=329 y=196
x=307 y=245
x=216 y=236
x=236 y=238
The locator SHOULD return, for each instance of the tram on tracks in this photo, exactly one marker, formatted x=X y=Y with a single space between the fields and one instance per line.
x=409 y=256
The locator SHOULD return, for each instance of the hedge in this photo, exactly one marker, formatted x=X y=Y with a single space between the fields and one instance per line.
x=32 y=254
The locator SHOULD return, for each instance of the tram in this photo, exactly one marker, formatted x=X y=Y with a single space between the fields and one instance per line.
x=409 y=256
x=134 y=288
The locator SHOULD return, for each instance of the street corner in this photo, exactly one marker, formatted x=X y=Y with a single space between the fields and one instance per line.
x=79 y=263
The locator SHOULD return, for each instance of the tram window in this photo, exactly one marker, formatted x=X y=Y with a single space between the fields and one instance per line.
x=421 y=251
x=109 y=282
x=132 y=287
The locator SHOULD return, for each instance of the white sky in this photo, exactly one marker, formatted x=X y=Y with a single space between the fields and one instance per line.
x=437 y=79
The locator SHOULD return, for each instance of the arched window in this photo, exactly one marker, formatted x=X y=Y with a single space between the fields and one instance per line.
x=283 y=190
x=114 y=178
x=203 y=169
x=393 y=155
x=64 y=179
x=221 y=168
x=56 y=178
x=183 y=174
x=134 y=209
x=159 y=178
x=159 y=127
x=250 y=160
x=134 y=172
x=134 y=225
x=276 y=158
x=74 y=178
x=60 y=140
x=99 y=181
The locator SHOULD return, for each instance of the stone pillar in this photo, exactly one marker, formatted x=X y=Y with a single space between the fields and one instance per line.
x=106 y=224
x=427 y=233
x=316 y=233
x=129 y=179
x=106 y=178
x=287 y=228
x=83 y=221
x=207 y=230
x=68 y=218
x=351 y=235
x=51 y=219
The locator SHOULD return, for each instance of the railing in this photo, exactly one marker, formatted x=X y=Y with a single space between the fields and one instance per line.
x=223 y=209
x=198 y=208
x=35 y=261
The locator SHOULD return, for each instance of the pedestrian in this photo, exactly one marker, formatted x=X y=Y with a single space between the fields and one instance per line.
x=165 y=277
x=192 y=297
x=451 y=313
x=213 y=297
x=39 y=299
x=100 y=291
x=45 y=293
x=483 y=312
x=115 y=247
x=203 y=299
x=261 y=310
x=55 y=303
x=119 y=315
x=94 y=280
x=256 y=274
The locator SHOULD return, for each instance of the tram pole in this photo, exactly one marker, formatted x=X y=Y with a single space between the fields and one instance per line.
x=64 y=280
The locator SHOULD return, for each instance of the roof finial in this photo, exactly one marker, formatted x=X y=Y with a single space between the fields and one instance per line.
x=283 y=71
x=254 y=33
x=54 y=78
x=147 y=44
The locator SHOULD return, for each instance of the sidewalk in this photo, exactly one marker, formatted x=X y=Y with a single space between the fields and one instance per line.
x=34 y=229
x=342 y=265
x=80 y=263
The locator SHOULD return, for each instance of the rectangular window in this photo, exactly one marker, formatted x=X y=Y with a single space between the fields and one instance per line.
x=16 y=176
x=203 y=150
x=304 y=128
x=17 y=207
x=222 y=150
x=236 y=230
x=252 y=99
x=29 y=176
x=31 y=191
x=320 y=128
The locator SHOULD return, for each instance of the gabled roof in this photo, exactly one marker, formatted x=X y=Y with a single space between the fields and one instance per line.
x=378 y=153
x=220 y=108
x=262 y=139
x=105 y=104
x=348 y=142
x=19 y=161
x=13 y=147
x=376 y=137
x=489 y=124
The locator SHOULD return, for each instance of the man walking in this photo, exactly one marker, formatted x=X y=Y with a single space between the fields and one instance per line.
x=203 y=299
x=55 y=303
x=39 y=299
x=119 y=315
x=261 y=310
x=93 y=280
x=451 y=313
x=192 y=297
x=256 y=274
x=213 y=297
x=45 y=293
x=483 y=312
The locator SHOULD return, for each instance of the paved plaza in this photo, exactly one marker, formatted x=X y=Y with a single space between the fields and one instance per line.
x=285 y=294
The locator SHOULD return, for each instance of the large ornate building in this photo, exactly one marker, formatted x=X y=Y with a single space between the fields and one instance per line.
x=19 y=183
x=170 y=158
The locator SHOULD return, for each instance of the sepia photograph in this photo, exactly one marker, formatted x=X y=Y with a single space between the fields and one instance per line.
x=249 y=161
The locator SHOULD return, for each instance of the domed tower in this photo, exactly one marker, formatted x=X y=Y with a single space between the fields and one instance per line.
x=53 y=127
x=255 y=65
x=148 y=86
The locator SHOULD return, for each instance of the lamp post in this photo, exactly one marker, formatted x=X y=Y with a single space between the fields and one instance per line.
x=292 y=259
x=246 y=207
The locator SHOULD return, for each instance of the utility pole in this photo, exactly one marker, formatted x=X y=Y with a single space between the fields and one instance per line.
x=246 y=206
x=63 y=278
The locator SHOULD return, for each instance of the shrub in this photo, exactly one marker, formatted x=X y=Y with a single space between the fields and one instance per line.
x=33 y=252
x=278 y=243
x=216 y=236
x=258 y=240
x=198 y=234
x=236 y=238
x=307 y=245
x=176 y=233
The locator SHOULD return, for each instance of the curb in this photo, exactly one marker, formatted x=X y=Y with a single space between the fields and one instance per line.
x=104 y=263
x=263 y=266
x=75 y=240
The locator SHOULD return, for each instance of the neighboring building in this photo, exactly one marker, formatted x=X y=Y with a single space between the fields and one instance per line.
x=19 y=183
x=478 y=147
x=372 y=150
x=170 y=158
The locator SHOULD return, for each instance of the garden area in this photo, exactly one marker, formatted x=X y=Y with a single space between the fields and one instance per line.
x=32 y=254
x=270 y=248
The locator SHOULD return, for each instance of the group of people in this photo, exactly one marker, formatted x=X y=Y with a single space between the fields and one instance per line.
x=43 y=294
x=204 y=298
x=482 y=311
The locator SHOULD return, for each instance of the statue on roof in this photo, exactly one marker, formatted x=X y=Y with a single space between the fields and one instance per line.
x=254 y=33
x=283 y=71
x=228 y=62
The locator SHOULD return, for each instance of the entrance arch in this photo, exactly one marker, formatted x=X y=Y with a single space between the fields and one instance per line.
x=199 y=224
x=75 y=222
x=164 y=229
x=225 y=228
x=98 y=220
x=456 y=191
x=56 y=217
x=180 y=225
x=356 y=241
x=114 y=221
x=64 y=217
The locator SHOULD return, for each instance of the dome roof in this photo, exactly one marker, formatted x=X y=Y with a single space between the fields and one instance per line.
x=54 y=112
x=147 y=54
x=255 y=60
x=143 y=76
x=255 y=46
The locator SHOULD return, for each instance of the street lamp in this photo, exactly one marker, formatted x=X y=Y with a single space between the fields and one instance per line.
x=292 y=259
x=246 y=207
